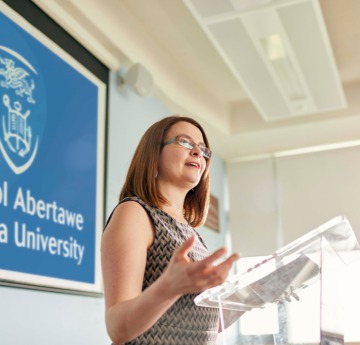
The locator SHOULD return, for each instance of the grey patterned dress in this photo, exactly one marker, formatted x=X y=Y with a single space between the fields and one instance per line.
x=184 y=323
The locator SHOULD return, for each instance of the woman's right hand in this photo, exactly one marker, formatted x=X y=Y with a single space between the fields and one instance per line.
x=186 y=276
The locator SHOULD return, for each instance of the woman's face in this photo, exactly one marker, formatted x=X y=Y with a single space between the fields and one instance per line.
x=178 y=165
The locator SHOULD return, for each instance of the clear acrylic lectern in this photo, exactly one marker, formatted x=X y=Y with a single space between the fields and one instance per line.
x=314 y=260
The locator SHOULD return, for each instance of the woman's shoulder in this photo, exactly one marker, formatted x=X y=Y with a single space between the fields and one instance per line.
x=128 y=210
x=132 y=200
x=130 y=217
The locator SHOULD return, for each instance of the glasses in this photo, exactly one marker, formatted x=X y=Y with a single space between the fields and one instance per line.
x=189 y=144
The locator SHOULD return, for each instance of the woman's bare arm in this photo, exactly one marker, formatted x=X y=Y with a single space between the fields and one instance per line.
x=129 y=310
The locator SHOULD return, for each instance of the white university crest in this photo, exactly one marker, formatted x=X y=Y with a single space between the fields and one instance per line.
x=17 y=144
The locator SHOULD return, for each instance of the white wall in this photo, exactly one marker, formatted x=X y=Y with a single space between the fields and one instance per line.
x=37 y=317
x=275 y=200
x=253 y=211
x=317 y=187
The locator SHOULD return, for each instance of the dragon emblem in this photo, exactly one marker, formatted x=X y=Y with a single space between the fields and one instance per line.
x=15 y=78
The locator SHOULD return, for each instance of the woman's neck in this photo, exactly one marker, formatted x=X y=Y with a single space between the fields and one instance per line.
x=175 y=213
x=175 y=205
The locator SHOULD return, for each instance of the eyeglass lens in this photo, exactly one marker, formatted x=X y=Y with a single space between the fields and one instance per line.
x=189 y=144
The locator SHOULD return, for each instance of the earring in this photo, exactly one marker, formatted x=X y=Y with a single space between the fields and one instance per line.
x=156 y=174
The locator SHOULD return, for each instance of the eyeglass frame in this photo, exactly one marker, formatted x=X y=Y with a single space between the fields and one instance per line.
x=206 y=154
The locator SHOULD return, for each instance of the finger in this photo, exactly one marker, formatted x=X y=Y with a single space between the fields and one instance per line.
x=202 y=267
x=224 y=267
x=233 y=257
x=213 y=257
x=229 y=261
x=186 y=246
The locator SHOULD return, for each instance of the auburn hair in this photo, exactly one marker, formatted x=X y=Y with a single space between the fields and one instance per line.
x=141 y=177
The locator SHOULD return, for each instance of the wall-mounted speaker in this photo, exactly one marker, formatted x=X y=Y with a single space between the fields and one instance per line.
x=138 y=78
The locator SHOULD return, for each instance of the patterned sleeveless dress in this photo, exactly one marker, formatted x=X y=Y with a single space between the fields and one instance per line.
x=184 y=323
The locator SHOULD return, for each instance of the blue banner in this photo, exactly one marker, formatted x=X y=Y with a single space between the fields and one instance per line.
x=48 y=160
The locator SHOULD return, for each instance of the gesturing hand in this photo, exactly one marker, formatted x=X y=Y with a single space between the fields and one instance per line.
x=185 y=276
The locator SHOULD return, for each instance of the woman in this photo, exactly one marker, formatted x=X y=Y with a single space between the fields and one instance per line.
x=154 y=262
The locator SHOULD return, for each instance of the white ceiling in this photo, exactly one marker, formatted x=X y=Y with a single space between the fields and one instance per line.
x=191 y=77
